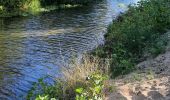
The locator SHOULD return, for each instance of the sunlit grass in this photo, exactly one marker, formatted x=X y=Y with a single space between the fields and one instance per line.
x=74 y=75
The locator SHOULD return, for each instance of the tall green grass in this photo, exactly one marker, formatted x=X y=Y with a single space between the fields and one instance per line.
x=136 y=35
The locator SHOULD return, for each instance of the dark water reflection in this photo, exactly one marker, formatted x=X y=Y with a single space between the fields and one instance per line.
x=33 y=47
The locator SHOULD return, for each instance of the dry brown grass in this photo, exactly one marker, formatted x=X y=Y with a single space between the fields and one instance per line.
x=76 y=73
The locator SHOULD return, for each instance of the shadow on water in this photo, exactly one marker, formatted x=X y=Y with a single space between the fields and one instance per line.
x=36 y=46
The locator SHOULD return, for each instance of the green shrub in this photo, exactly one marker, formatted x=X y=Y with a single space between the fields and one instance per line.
x=25 y=7
x=11 y=5
x=34 y=6
x=87 y=75
x=136 y=32
x=42 y=90
x=1 y=8
x=94 y=89
x=44 y=98
x=51 y=2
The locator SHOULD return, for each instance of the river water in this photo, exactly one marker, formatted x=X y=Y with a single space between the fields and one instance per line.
x=36 y=46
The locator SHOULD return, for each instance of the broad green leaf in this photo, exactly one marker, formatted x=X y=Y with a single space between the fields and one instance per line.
x=79 y=90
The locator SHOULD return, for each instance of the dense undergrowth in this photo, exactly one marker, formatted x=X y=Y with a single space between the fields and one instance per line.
x=136 y=35
x=79 y=81
x=131 y=38
x=23 y=7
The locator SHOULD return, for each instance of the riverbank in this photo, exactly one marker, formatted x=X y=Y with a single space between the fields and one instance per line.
x=45 y=9
x=136 y=35
x=31 y=7
x=133 y=37
x=149 y=81
x=16 y=13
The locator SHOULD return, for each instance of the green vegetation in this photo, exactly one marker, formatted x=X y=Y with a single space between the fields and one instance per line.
x=10 y=8
x=136 y=35
x=93 y=91
x=131 y=38
x=84 y=81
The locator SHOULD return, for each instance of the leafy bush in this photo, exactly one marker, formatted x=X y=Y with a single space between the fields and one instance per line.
x=44 y=98
x=51 y=2
x=135 y=33
x=25 y=7
x=88 y=74
x=94 y=89
x=42 y=90
x=11 y=4
x=19 y=4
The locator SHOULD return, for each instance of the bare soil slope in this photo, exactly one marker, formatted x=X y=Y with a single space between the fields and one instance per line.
x=150 y=82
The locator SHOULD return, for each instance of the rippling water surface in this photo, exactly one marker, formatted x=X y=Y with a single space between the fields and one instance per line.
x=36 y=46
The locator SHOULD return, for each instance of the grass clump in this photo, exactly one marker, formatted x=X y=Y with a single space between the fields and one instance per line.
x=136 y=35
x=83 y=80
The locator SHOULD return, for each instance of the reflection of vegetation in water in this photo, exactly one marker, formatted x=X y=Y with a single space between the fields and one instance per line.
x=10 y=45
x=136 y=35
x=10 y=53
